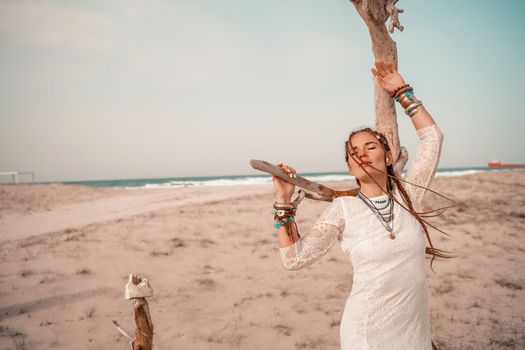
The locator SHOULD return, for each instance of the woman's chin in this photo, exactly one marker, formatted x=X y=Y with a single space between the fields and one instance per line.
x=370 y=172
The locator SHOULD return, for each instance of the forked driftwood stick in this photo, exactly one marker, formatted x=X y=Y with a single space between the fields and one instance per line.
x=138 y=289
x=375 y=13
x=322 y=192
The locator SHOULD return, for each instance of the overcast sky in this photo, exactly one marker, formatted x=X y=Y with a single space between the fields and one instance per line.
x=138 y=89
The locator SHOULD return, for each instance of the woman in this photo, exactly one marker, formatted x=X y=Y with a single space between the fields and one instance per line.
x=388 y=304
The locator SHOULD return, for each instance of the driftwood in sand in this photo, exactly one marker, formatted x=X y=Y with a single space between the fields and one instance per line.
x=138 y=289
x=375 y=13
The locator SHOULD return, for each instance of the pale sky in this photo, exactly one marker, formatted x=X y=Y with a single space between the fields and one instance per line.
x=143 y=89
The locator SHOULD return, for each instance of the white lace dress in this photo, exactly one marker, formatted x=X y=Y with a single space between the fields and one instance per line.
x=388 y=305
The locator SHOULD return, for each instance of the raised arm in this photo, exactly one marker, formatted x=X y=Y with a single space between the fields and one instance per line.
x=423 y=167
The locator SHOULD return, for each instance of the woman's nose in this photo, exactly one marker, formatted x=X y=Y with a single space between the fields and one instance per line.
x=362 y=155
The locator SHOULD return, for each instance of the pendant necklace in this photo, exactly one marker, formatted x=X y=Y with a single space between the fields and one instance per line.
x=384 y=214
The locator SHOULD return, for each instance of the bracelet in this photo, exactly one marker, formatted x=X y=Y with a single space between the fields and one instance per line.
x=283 y=213
x=300 y=196
x=413 y=107
x=414 y=111
x=406 y=99
x=398 y=90
x=283 y=222
x=408 y=93
x=283 y=216
x=283 y=206
x=403 y=90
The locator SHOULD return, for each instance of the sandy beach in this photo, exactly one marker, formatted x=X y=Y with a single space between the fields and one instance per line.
x=211 y=256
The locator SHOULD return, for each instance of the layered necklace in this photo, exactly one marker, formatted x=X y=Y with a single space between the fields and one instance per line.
x=383 y=210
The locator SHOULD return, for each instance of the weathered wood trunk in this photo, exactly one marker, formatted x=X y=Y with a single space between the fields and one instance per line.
x=375 y=13
x=144 y=327
x=138 y=289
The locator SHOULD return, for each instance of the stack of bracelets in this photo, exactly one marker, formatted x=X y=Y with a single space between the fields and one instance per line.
x=405 y=96
x=284 y=214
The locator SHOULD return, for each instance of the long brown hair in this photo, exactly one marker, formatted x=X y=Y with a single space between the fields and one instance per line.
x=393 y=180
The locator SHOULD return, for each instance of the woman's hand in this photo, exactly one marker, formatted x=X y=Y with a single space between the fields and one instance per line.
x=284 y=190
x=388 y=76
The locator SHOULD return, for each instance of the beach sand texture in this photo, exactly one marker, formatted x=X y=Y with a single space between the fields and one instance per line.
x=212 y=258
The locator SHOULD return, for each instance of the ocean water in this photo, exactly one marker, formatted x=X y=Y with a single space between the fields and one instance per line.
x=178 y=182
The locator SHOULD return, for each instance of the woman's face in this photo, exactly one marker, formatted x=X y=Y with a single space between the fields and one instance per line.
x=367 y=152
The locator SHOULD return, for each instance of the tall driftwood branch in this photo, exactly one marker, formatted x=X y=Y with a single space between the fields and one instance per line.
x=375 y=13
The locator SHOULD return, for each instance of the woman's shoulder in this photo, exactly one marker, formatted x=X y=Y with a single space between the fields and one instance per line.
x=346 y=203
x=345 y=199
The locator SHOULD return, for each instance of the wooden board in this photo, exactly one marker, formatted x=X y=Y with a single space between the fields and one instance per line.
x=325 y=192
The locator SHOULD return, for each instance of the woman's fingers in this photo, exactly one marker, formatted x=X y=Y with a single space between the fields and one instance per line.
x=284 y=167
x=377 y=70
x=377 y=75
x=385 y=68
x=288 y=169
x=381 y=68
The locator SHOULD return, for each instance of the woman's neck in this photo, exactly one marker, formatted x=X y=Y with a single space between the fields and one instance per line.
x=371 y=189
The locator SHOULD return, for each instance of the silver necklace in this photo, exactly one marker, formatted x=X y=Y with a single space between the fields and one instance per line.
x=386 y=219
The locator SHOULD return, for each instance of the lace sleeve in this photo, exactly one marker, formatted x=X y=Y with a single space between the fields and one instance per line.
x=423 y=167
x=312 y=246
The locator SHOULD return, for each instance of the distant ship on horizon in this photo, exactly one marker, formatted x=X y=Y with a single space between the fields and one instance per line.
x=498 y=164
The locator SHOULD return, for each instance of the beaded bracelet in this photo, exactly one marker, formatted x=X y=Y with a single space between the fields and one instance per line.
x=403 y=90
x=283 y=213
x=282 y=216
x=408 y=93
x=283 y=222
x=405 y=96
x=398 y=90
